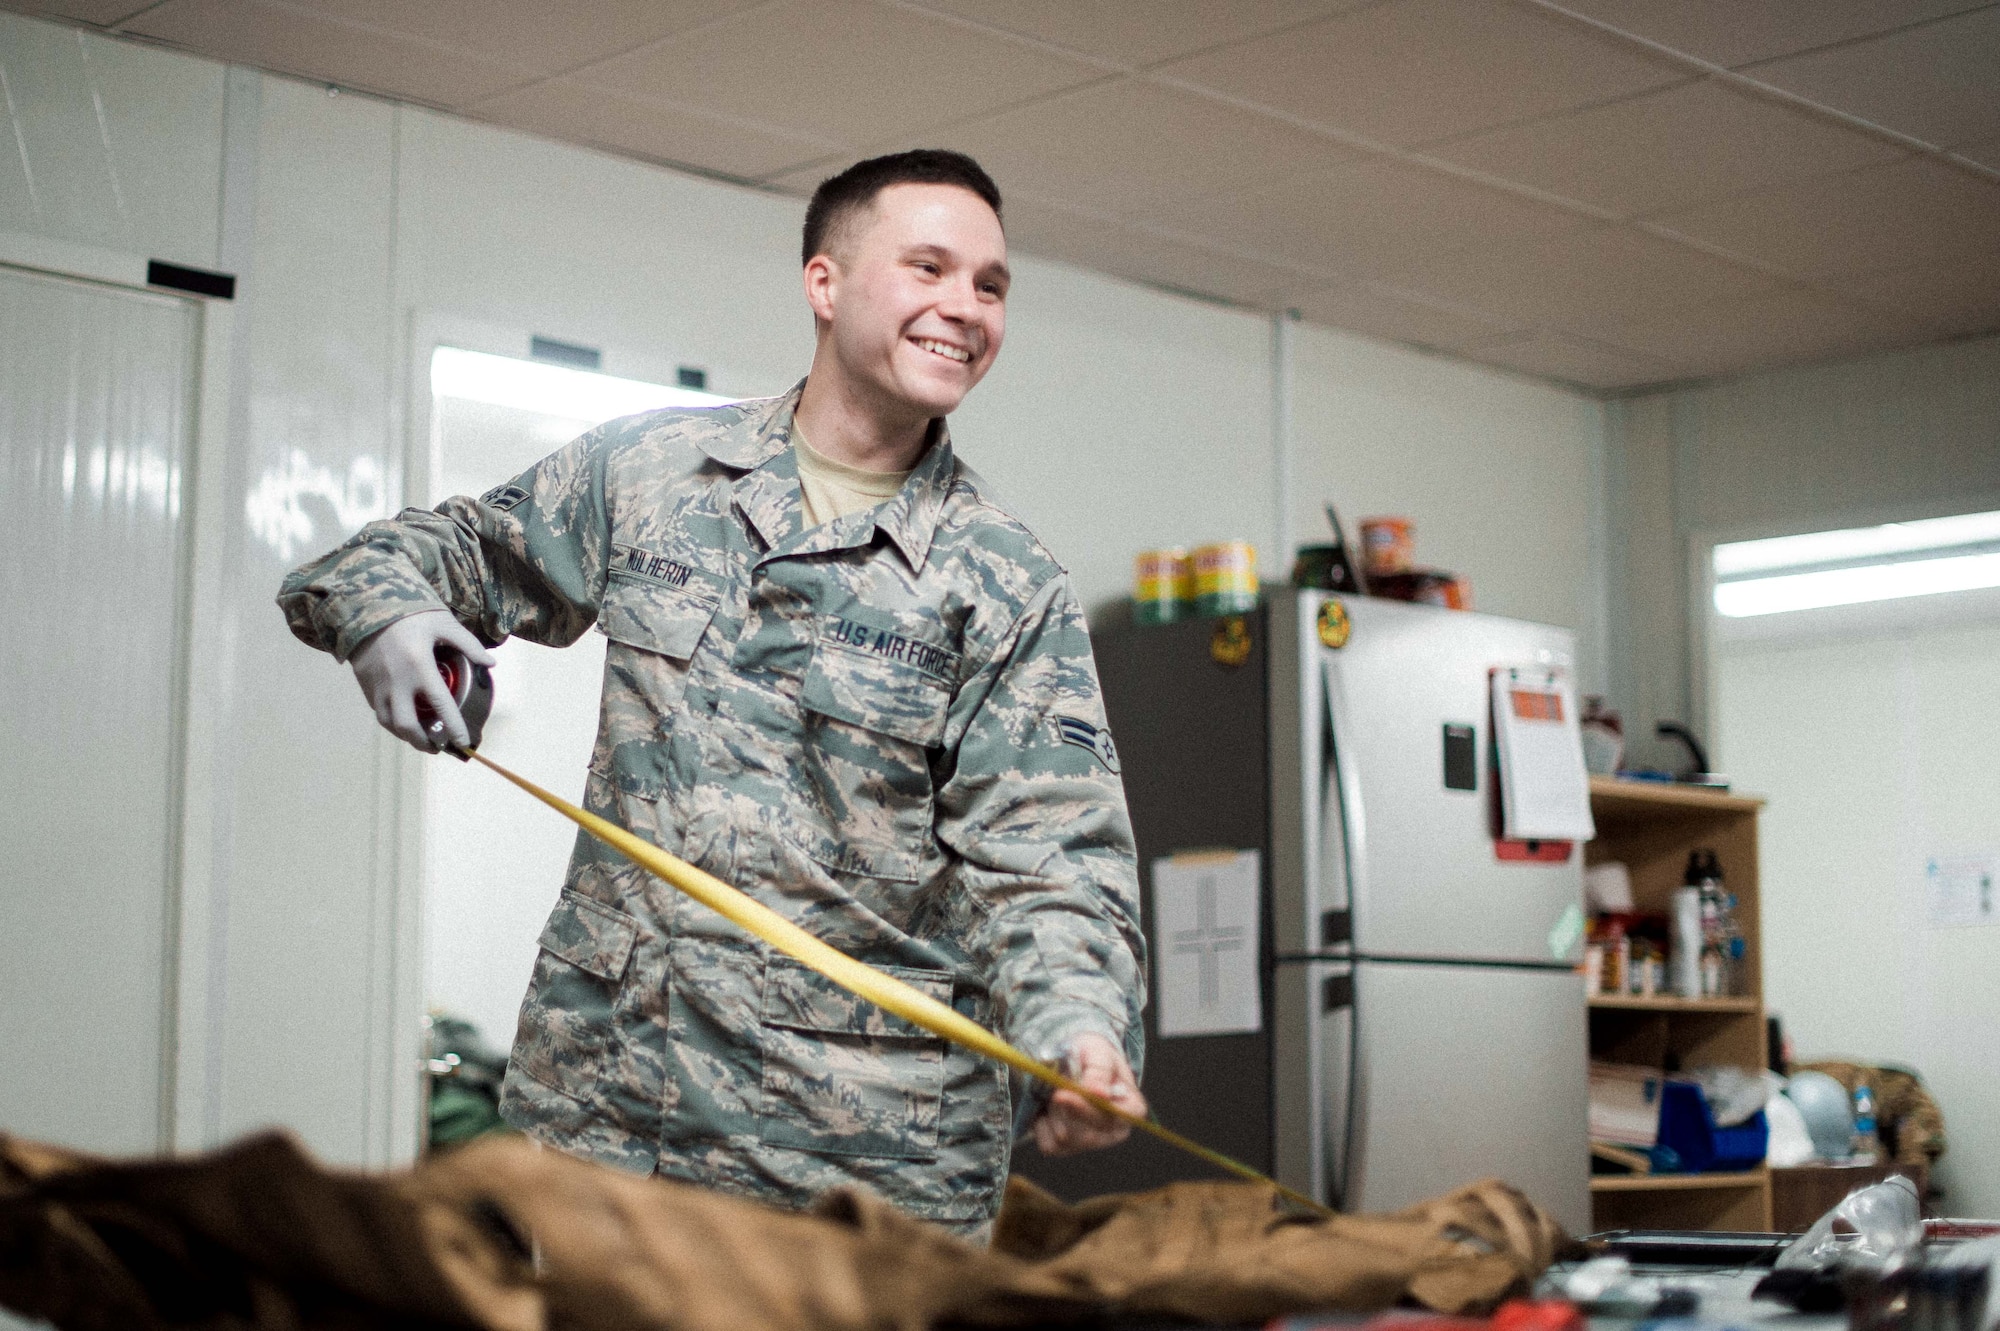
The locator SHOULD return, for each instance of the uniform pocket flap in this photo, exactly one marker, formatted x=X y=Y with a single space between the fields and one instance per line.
x=666 y=620
x=876 y=692
x=590 y=936
x=801 y=998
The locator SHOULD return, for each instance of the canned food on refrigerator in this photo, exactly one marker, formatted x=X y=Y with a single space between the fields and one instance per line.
x=1225 y=578
x=1388 y=545
x=1162 y=586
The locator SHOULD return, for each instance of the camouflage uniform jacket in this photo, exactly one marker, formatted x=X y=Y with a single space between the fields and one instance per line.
x=887 y=727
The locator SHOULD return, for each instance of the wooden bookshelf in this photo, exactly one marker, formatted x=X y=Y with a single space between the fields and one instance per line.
x=1651 y=827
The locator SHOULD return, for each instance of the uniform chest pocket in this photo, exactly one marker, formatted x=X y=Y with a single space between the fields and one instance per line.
x=654 y=632
x=843 y=1077
x=871 y=722
x=880 y=681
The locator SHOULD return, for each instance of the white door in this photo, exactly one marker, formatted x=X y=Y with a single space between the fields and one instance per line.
x=96 y=402
x=493 y=860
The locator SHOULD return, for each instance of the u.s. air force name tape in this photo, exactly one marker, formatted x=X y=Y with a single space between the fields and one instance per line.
x=857 y=977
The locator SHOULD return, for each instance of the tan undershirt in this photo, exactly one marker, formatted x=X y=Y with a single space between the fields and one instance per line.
x=834 y=489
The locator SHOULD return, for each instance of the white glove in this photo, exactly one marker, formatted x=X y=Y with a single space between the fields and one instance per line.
x=1069 y=1123
x=399 y=664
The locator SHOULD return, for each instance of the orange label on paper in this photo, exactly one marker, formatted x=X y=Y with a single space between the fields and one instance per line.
x=1530 y=705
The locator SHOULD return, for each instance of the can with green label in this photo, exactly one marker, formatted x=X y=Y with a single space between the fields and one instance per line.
x=1225 y=578
x=1162 y=586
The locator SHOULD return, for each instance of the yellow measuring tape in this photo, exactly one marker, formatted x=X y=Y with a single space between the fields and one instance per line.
x=887 y=992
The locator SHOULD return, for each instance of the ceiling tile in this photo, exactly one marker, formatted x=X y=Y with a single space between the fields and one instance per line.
x=1962 y=296
x=1042 y=228
x=532 y=33
x=1412 y=71
x=848 y=70
x=1133 y=148
x=1139 y=34
x=1730 y=32
x=1697 y=141
x=1381 y=313
x=103 y=13
x=1588 y=364
x=565 y=109
x=295 y=41
x=1783 y=327
x=1939 y=82
x=1362 y=215
x=802 y=180
x=1577 y=280
x=1905 y=212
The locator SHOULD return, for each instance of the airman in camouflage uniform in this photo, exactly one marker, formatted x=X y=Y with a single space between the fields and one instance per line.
x=887 y=727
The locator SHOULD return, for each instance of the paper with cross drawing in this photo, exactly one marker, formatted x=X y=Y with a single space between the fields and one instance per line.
x=1205 y=907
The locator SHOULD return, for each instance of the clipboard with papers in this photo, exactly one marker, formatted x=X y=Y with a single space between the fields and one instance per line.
x=1544 y=788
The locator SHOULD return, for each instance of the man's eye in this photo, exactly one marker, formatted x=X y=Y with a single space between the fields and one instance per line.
x=930 y=268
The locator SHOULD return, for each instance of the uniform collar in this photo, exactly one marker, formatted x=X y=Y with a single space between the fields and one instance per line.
x=769 y=496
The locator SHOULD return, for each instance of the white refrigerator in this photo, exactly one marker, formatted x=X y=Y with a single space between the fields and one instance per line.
x=1423 y=1022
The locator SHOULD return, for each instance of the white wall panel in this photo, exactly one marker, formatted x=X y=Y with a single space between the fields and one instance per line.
x=109 y=144
x=1119 y=419
x=305 y=958
x=96 y=404
x=1497 y=472
x=655 y=269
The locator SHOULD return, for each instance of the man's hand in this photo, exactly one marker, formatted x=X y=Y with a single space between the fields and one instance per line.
x=399 y=664
x=1070 y=1123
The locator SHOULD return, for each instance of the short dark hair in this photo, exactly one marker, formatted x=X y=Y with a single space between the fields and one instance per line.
x=840 y=197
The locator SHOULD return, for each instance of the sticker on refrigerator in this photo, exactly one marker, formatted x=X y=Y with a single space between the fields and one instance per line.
x=1544 y=790
x=1205 y=922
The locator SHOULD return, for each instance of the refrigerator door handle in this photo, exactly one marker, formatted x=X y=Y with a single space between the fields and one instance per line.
x=1340 y=1090
x=1341 y=782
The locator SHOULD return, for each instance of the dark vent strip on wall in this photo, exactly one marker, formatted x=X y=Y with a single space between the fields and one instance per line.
x=565 y=353
x=198 y=281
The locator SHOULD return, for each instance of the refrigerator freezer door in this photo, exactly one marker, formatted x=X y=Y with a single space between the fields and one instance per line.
x=1468 y=1072
x=1423 y=876
x=1312 y=1059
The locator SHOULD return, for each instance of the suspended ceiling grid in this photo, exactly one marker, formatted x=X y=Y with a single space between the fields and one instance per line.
x=1609 y=193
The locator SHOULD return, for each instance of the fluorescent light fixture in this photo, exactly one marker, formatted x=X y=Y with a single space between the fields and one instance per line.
x=1857 y=565
x=553 y=390
x=1855 y=543
x=1852 y=586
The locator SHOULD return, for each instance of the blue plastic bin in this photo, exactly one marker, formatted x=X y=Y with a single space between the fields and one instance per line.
x=1689 y=1129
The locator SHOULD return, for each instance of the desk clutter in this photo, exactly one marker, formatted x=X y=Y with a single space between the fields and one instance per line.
x=505 y=1235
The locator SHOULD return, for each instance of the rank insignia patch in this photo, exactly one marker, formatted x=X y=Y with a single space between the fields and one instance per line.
x=1075 y=730
x=504 y=497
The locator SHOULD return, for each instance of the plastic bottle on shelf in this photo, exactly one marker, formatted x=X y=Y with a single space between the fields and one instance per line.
x=1707 y=873
x=1735 y=980
x=1686 y=956
x=1865 y=1140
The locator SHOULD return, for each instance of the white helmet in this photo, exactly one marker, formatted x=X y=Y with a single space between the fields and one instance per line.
x=1827 y=1110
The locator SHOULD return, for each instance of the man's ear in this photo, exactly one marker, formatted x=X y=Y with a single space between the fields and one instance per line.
x=822 y=278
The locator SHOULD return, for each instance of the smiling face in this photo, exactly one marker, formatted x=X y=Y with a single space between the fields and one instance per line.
x=912 y=299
